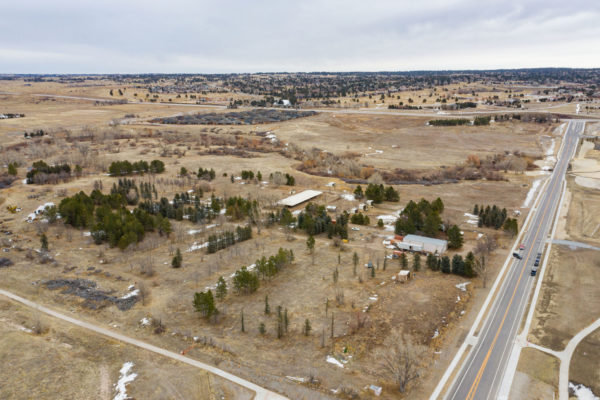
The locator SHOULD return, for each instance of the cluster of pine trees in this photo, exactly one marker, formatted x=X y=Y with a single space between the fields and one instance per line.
x=377 y=193
x=122 y=168
x=479 y=121
x=41 y=172
x=492 y=217
x=248 y=175
x=421 y=217
x=457 y=265
x=268 y=268
x=128 y=189
x=109 y=220
x=225 y=239
x=204 y=303
x=206 y=174
x=315 y=220
x=360 y=219
x=184 y=205
x=238 y=208
x=38 y=132
x=244 y=281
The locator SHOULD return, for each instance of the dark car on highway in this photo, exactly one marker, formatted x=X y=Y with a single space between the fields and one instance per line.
x=537 y=259
x=517 y=255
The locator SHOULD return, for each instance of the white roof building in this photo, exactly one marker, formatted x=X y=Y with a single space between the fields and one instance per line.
x=422 y=243
x=299 y=198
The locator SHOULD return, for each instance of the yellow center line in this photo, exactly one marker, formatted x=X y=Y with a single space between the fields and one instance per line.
x=477 y=380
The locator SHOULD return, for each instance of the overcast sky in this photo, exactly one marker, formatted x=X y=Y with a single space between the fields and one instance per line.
x=130 y=36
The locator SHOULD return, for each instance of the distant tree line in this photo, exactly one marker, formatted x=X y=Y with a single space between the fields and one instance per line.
x=123 y=168
x=449 y=122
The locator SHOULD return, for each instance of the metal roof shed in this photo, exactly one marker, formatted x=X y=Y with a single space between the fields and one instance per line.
x=299 y=198
x=430 y=245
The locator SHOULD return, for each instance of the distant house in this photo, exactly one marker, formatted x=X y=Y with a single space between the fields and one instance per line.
x=299 y=198
x=422 y=244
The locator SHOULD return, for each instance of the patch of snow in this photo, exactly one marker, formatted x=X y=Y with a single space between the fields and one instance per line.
x=194 y=231
x=462 y=286
x=550 y=150
x=582 y=392
x=479 y=235
x=125 y=378
x=531 y=193
x=131 y=294
x=24 y=181
x=379 y=151
x=330 y=184
x=197 y=246
x=471 y=216
x=435 y=334
x=87 y=233
x=373 y=298
x=296 y=379
x=348 y=197
x=457 y=299
x=334 y=361
x=145 y=321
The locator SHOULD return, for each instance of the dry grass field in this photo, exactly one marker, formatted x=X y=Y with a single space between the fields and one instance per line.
x=364 y=309
x=585 y=364
x=54 y=360
x=569 y=300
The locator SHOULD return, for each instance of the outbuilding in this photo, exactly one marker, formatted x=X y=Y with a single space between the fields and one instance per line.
x=299 y=198
x=422 y=243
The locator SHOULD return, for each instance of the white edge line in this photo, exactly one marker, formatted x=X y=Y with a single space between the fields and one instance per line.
x=453 y=364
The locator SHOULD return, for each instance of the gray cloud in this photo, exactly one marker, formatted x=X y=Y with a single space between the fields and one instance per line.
x=245 y=36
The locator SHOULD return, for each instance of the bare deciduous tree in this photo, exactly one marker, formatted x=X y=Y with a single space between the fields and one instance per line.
x=484 y=247
x=144 y=292
x=401 y=360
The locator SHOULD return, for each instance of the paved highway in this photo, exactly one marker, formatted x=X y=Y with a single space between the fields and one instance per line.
x=482 y=372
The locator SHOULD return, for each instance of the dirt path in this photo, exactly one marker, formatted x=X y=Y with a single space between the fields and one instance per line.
x=261 y=393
